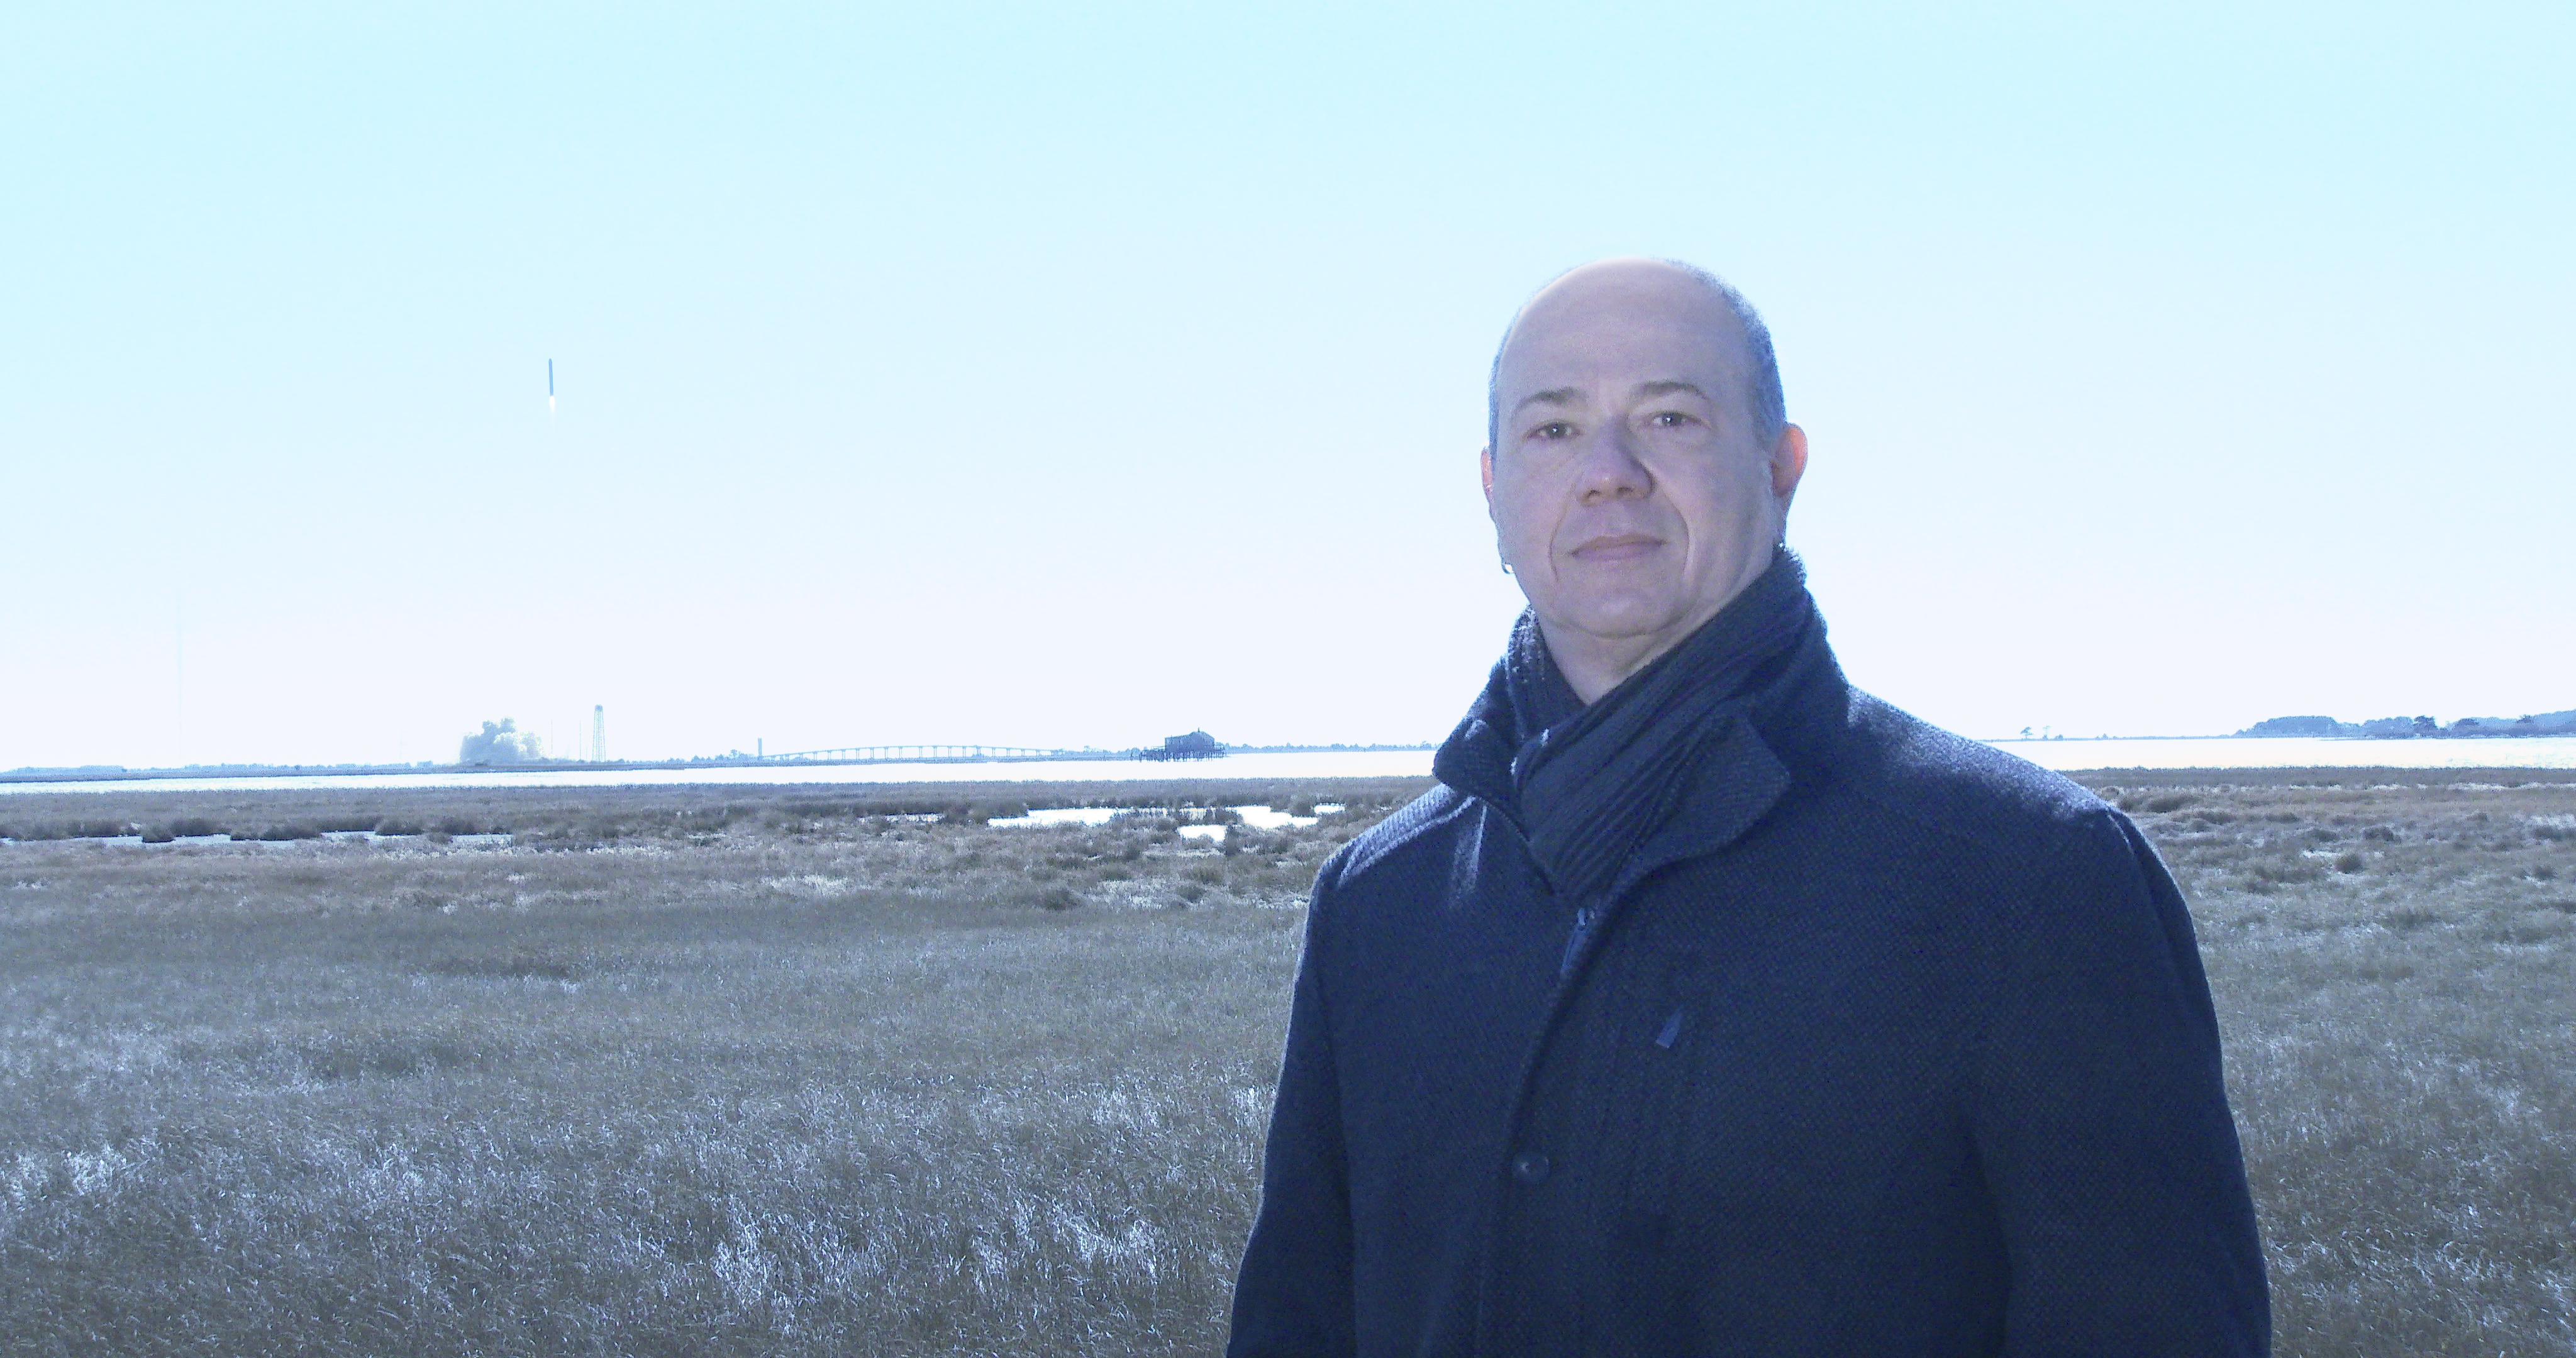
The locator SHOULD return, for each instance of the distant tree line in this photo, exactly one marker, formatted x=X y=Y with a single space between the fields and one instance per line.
x=2402 y=728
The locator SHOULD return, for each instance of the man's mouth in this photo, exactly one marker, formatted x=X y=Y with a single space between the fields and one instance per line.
x=1616 y=547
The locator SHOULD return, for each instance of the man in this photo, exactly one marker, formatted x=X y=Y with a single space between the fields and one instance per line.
x=1711 y=1006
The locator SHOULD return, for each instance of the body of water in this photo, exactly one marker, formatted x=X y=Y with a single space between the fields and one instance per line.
x=1283 y=767
x=2297 y=752
x=2226 y=752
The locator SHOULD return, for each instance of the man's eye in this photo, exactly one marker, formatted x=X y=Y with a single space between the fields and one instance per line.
x=1552 y=431
x=1667 y=419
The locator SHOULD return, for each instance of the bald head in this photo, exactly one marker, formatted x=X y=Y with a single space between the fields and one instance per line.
x=1685 y=292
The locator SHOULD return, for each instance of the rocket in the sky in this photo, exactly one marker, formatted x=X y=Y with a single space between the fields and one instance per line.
x=550 y=387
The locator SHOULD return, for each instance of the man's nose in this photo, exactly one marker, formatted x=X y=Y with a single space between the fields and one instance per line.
x=1612 y=470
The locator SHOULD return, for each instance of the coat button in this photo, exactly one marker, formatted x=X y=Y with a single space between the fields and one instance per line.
x=1531 y=1168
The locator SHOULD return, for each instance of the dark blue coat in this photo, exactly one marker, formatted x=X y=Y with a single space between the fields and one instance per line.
x=1890 y=1044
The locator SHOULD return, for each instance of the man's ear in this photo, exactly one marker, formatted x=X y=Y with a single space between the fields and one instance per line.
x=1788 y=463
x=1485 y=466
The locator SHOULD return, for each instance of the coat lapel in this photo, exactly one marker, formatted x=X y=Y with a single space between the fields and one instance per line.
x=1735 y=784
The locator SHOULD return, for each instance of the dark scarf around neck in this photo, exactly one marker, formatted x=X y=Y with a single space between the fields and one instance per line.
x=1590 y=784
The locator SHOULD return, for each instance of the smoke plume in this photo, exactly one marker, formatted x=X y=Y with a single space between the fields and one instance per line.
x=501 y=743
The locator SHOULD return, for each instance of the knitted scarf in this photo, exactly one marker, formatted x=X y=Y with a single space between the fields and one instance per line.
x=1589 y=784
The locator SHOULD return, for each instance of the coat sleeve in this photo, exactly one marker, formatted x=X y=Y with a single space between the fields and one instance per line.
x=1293 y=1295
x=2102 y=1125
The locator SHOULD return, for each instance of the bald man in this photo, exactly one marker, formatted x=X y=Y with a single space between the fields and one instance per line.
x=1709 y=1005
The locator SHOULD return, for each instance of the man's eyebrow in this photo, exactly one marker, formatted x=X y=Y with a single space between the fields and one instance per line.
x=1553 y=396
x=1668 y=388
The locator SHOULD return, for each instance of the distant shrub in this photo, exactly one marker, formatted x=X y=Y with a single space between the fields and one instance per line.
x=2263 y=877
x=282 y=833
x=194 y=827
x=2533 y=928
x=2165 y=802
x=158 y=834
x=456 y=825
x=2349 y=862
x=516 y=966
x=2406 y=920
x=1057 y=897
x=704 y=820
x=397 y=825
x=2380 y=834
x=345 y=823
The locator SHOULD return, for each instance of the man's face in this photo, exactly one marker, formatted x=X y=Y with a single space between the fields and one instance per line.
x=1629 y=489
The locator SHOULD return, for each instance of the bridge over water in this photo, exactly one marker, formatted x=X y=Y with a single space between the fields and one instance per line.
x=932 y=754
x=973 y=754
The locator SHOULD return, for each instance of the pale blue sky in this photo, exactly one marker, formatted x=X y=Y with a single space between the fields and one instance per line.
x=1063 y=376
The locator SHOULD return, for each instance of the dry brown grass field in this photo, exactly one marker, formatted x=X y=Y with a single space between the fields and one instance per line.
x=696 y=1071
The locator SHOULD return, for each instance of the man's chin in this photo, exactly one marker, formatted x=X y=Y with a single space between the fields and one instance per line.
x=1618 y=622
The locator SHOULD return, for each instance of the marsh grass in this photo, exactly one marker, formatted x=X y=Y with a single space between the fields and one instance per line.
x=647 y=813
x=2393 y=966
x=810 y=1083
x=663 y=1074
